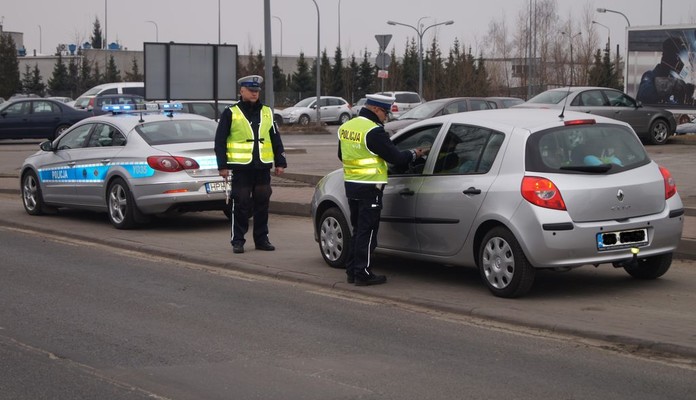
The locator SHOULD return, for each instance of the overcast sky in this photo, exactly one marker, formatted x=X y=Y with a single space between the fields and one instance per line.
x=47 y=23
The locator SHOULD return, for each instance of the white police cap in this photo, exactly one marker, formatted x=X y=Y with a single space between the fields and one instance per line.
x=251 y=82
x=380 y=101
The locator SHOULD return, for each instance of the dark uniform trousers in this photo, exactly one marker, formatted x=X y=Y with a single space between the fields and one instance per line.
x=251 y=193
x=365 y=211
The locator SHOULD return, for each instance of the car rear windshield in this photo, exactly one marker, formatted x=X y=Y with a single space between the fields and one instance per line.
x=407 y=98
x=177 y=131
x=549 y=97
x=592 y=148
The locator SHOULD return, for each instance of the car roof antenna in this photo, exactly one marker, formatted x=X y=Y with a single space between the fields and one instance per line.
x=565 y=102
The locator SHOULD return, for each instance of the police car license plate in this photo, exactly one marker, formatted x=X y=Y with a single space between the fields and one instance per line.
x=215 y=187
x=622 y=239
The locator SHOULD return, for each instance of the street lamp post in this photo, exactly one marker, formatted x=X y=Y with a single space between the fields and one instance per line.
x=571 y=37
x=156 y=30
x=339 y=24
x=318 y=66
x=628 y=23
x=608 y=35
x=40 y=39
x=281 y=34
x=420 y=31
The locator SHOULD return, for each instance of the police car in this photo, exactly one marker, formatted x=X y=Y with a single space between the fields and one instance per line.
x=130 y=163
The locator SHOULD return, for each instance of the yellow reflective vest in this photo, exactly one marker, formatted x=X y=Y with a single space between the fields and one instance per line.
x=359 y=163
x=240 y=142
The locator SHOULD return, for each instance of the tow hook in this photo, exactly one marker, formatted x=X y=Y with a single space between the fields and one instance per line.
x=632 y=262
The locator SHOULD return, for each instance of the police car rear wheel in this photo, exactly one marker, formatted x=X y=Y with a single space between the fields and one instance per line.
x=334 y=237
x=121 y=206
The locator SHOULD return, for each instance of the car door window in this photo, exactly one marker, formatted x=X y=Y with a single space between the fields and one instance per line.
x=43 y=107
x=467 y=150
x=203 y=109
x=105 y=136
x=459 y=106
x=479 y=105
x=423 y=137
x=20 y=108
x=75 y=139
x=618 y=99
x=591 y=98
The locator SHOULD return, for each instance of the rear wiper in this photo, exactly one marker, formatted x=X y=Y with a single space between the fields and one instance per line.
x=598 y=169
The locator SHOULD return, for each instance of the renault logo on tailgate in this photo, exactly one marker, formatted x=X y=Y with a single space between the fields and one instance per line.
x=620 y=195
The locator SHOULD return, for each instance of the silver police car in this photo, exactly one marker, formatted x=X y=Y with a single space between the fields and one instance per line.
x=512 y=191
x=129 y=164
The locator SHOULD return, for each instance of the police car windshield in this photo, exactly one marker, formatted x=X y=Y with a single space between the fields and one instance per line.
x=177 y=131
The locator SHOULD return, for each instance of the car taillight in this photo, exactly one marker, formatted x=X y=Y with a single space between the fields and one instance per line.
x=90 y=105
x=171 y=163
x=579 y=122
x=670 y=185
x=395 y=108
x=542 y=192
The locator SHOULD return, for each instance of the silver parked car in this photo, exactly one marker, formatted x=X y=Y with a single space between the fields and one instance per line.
x=434 y=108
x=332 y=109
x=513 y=191
x=128 y=165
x=653 y=125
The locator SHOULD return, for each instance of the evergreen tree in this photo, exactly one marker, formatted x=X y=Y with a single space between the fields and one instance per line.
x=367 y=76
x=410 y=64
x=97 y=40
x=302 y=80
x=352 y=74
x=279 y=82
x=58 y=83
x=134 y=74
x=434 y=85
x=97 y=77
x=9 y=67
x=326 y=75
x=32 y=82
x=74 y=77
x=482 y=83
x=87 y=79
x=337 y=75
x=112 y=74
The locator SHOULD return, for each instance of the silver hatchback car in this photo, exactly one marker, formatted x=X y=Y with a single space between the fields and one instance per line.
x=128 y=165
x=513 y=191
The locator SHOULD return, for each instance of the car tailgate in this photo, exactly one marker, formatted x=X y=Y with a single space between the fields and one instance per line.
x=202 y=152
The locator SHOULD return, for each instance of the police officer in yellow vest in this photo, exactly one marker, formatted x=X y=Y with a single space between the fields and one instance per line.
x=365 y=148
x=247 y=144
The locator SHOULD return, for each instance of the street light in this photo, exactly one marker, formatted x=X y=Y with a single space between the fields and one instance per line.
x=281 y=34
x=156 y=30
x=608 y=34
x=318 y=66
x=40 y=36
x=339 y=24
x=571 y=37
x=420 y=33
x=606 y=10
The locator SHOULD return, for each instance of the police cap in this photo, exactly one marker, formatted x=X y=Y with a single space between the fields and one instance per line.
x=251 y=82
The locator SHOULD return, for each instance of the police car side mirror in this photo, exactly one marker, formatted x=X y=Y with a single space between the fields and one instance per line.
x=639 y=104
x=46 y=146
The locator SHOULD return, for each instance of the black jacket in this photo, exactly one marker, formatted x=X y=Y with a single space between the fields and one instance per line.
x=252 y=112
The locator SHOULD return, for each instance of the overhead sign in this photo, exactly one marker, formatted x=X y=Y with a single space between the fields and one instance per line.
x=382 y=74
x=383 y=41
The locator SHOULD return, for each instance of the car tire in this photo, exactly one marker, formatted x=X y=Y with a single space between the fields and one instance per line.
x=659 y=132
x=650 y=267
x=343 y=118
x=60 y=129
x=32 y=198
x=503 y=266
x=304 y=120
x=122 y=210
x=334 y=238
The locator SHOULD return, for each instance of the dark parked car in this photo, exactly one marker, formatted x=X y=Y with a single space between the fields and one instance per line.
x=31 y=117
x=435 y=108
x=205 y=108
x=653 y=125
x=503 y=102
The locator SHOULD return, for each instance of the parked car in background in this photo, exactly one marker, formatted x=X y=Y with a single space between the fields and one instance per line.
x=404 y=102
x=434 y=108
x=653 y=125
x=61 y=99
x=503 y=102
x=2 y=100
x=86 y=100
x=34 y=117
x=332 y=110
x=358 y=105
x=111 y=99
x=515 y=191
x=206 y=108
x=130 y=165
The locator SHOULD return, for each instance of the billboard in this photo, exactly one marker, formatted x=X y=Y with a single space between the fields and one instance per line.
x=176 y=71
x=661 y=66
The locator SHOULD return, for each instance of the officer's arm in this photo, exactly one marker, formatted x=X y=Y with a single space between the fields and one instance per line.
x=278 y=148
x=223 y=130
x=379 y=143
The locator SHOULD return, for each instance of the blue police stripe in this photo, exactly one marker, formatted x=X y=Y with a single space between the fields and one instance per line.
x=92 y=172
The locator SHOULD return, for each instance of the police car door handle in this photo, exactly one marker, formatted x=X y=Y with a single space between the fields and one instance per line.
x=406 y=192
x=71 y=163
x=472 y=190
x=105 y=160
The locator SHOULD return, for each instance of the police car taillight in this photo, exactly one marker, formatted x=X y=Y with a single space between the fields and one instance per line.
x=542 y=192
x=171 y=163
x=588 y=121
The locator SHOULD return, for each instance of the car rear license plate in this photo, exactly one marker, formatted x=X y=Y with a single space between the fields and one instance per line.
x=215 y=187
x=622 y=239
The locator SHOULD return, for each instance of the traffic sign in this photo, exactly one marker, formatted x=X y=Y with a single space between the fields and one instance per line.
x=383 y=41
x=383 y=60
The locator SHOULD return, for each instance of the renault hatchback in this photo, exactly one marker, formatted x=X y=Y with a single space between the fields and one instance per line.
x=513 y=191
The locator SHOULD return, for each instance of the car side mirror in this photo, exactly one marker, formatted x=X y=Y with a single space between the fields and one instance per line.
x=639 y=104
x=46 y=146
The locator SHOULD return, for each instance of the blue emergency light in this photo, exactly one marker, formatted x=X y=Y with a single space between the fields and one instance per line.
x=171 y=106
x=118 y=108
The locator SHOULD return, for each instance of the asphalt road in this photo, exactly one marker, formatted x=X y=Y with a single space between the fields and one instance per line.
x=84 y=320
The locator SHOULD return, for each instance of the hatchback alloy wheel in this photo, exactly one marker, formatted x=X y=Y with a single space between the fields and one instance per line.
x=503 y=266
x=659 y=132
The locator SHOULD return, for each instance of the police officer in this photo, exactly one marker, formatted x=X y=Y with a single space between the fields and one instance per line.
x=365 y=148
x=247 y=144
